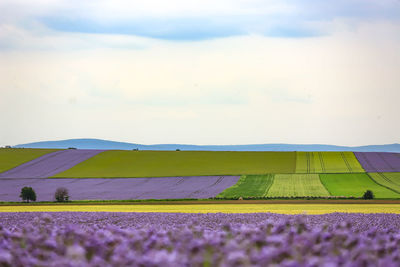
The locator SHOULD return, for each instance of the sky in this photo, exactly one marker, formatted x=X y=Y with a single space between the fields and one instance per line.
x=200 y=72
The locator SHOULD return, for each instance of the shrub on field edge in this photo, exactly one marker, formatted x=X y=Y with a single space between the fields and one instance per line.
x=368 y=195
x=61 y=194
x=27 y=193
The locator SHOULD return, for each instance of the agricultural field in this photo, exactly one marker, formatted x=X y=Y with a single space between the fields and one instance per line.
x=13 y=157
x=379 y=161
x=387 y=179
x=210 y=208
x=249 y=186
x=354 y=185
x=171 y=239
x=297 y=185
x=123 y=164
x=50 y=163
x=199 y=174
x=327 y=162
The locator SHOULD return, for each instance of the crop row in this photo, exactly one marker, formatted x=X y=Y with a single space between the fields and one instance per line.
x=120 y=188
x=134 y=239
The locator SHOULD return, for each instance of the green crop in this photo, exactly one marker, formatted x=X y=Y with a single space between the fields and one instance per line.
x=297 y=185
x=327 y=162
x=387 y=179
x=354 y=185
x=249 y=186
x=181 y=163
x=12 y=157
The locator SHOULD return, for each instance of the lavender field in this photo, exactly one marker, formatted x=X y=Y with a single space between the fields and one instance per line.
x=379 y=161
x=123 y=188
x=170 y=239
x=50 y=164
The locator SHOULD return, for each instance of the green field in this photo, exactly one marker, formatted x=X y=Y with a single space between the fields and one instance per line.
x=12 y=157
x=327 y=162
x=354 y=185
x=388 y=179
x=249 y=186
x=117 y=163
x=297 y=185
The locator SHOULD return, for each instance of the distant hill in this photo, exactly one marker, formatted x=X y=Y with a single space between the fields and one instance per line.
x=104 y=144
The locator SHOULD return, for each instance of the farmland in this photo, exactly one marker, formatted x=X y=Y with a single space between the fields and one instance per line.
x=388 y=179
x=379 y=161
x=288 y=185
x=249 y=186
x=212 y=208
x=181 y=163
x=125 y=175
x=50 y=164
x=13 y=157
x=120 y=188
x=172 y=239
x=200 y=231
x=354 y=185
x=327 y=162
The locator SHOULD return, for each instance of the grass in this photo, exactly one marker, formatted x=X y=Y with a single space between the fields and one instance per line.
x=387 y=179
x=327 y=162
x=117 y=163
x=297 y=185
x=354 y=185
x=12 y=157
x=249 y=186
x=215 y=208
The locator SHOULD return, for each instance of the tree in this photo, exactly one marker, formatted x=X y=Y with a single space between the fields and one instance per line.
x=27 y=193
x=368 y=195
x=61 y=194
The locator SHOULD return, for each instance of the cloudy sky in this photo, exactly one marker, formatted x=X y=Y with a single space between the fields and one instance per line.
x=200 y=72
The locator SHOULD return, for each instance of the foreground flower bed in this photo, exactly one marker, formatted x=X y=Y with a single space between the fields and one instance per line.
x=170 y=239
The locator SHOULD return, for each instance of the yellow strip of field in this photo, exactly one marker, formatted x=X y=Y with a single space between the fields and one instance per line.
x=215 y=208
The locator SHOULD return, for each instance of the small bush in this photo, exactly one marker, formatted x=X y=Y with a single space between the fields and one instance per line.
x=368 y=195
x=61 y=194
x=27 y=193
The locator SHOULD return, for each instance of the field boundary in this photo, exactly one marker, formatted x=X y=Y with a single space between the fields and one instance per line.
x=346 y=162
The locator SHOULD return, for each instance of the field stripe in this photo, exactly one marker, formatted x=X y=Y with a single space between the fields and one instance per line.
x=324 y=185
x=249 y=186
x=321 y=161
x=346 y=162
x=268 y=187
x=389 y=182
x=131 y=164
x=297 y=185
x=215 y=208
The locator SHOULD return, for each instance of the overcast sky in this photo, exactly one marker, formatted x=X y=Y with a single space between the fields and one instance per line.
x=200 y=72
